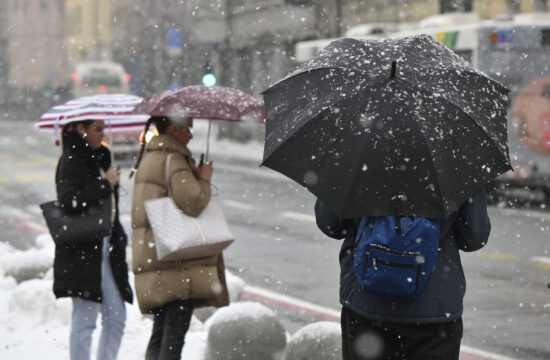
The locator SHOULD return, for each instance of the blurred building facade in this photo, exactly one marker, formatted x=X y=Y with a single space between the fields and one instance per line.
x=35 y=44
x=4 y=36
x=34 y=61
x=251 y=42
x=151 y=38
x=88 y=29
x=247 y=44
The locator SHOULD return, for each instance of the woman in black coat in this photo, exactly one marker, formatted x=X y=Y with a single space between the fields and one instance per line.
x=93 y=271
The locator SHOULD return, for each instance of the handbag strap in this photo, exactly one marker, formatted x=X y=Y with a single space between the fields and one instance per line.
x=167 y=175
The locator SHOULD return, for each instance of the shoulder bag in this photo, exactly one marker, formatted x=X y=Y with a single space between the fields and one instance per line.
x=69 y=228
x=179 y=236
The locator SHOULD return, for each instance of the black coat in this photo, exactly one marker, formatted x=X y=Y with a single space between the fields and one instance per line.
x=442 y=299
x=77 y=267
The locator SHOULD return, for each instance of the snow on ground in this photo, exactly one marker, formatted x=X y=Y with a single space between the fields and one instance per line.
x=33 y=321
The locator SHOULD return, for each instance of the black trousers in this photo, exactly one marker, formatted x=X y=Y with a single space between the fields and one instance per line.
x=170 y=325
x=364 y=339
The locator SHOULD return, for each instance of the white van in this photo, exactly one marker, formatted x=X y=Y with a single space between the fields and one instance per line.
x=97 y=77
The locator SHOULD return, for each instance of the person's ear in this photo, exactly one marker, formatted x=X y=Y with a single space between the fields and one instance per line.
x=80 y=129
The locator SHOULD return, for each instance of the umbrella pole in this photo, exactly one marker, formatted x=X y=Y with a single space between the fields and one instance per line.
x=111 y=143
x=208 y=139
x=57 y=135
x=110 y=133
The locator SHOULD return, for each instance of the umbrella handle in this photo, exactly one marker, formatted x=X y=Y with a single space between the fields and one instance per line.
x=112 y=150
x=110 y=137
x=56 y=130
x=208 y=139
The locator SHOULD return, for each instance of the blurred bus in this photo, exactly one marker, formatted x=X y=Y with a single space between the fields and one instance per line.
x=517 y=53
x=96 y=77
x=459 y=32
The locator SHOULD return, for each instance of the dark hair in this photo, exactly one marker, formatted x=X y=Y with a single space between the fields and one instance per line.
x=70 y=129
x=162 y=124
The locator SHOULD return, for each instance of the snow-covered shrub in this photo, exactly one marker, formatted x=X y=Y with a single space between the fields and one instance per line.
x=29 y=264
x=235 y=287
x=35 y=297
x=245 y=330
x=317 y=341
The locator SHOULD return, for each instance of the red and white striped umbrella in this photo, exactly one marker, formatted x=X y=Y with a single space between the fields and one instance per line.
x=115 y=109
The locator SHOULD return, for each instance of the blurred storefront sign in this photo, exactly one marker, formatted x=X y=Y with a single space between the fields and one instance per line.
x=174 y=41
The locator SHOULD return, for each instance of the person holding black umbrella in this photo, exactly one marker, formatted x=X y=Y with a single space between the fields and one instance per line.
x=376 y=327
x=393 y=131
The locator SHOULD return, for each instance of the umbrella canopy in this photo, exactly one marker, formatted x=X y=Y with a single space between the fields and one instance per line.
x=115 y=109
x=388 y=127
x=203 y=102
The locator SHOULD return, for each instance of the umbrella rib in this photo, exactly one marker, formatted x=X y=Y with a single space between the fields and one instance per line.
x=438 y=188
x=467 y=68
x=432 y=167
x=426 y=143
x=412 y=87
x=472 y=72
x=295 y=131
x=298 y=71
x=322 y=111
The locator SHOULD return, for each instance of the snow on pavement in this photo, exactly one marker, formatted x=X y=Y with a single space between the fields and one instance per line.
x=35 y=322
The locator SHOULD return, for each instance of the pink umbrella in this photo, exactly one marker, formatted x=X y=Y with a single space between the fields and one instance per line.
x=197 y=101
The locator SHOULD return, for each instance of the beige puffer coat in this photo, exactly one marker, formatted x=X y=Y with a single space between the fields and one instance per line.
x=160 y=282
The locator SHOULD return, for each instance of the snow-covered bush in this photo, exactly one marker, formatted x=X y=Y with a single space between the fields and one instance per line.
x=28 y=264
x=245 y=330
x=317 y=341
x=235 y=287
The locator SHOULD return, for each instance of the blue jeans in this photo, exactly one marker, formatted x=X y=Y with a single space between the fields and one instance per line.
x=113 y=317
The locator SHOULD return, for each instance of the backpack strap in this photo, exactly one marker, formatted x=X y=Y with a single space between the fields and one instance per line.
x=397 y=219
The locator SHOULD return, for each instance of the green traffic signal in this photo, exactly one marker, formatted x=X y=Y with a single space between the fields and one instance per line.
x=209 y=79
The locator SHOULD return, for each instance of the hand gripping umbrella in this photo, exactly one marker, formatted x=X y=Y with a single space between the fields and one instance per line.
x=197 y=101
x=388 y=127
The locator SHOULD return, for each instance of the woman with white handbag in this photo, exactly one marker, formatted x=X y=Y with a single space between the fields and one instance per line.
x=170 y=290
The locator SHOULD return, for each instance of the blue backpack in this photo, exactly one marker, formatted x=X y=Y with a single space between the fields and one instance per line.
x=395 y=255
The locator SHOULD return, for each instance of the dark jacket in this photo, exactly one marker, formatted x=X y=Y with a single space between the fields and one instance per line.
x=77 y=267
x=442 y=299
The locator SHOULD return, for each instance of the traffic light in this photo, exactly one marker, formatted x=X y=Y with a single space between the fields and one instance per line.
x=209 y=79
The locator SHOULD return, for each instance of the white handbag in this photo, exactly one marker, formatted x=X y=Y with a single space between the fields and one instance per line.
x=182 y=237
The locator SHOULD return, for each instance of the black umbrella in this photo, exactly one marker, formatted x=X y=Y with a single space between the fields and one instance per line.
x=388 y=127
